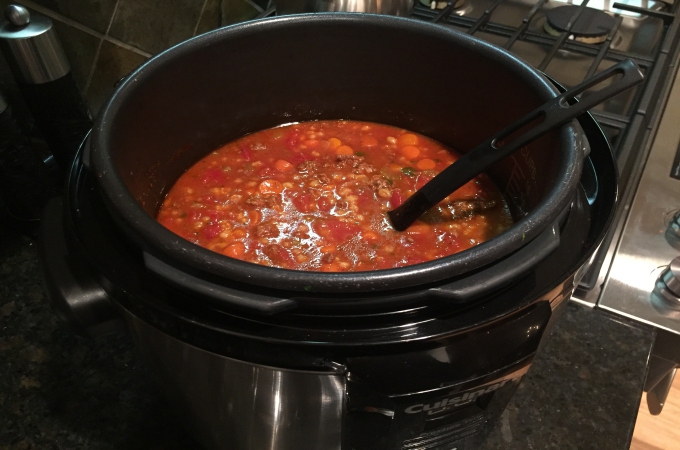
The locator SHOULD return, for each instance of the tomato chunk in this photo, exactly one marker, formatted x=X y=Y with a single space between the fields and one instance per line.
x=302 y=202
x=293 y=139
x=213 y=177
x=246 y=152
x=397 y=199
x=340 y=231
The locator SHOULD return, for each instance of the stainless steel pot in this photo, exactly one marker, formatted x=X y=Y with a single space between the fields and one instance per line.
x=391 y=7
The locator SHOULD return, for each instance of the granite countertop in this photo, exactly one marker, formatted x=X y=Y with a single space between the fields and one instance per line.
x=62 y=391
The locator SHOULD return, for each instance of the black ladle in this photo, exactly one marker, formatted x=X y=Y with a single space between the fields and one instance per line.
x=552 y=114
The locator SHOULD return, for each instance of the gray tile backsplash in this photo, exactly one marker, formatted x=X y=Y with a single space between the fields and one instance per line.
x=154 y=25
x=113 y=63
x=211 y=17
x=238 y=11
x=80 y=48
x=95 y=14
x=107 y=39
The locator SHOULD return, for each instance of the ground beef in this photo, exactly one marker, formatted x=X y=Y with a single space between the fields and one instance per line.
x=266 y=201
x=308 y=167
x=267 y=230
x=314 y=167
x=354 y=162
x=275 y=253
x=328 y=258
x=301 y=233
x=364 y=168
x=457 y=209
x=379 y=182
x=348 y=161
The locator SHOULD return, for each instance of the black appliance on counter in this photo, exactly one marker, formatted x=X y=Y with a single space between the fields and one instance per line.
x=43 y=75
x=261 y=362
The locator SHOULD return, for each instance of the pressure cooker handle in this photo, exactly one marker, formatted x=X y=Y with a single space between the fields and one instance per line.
x=74 y=293
x=503 y=272
x=246 y=300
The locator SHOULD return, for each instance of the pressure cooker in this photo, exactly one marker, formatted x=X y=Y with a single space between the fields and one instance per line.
x=419 y=357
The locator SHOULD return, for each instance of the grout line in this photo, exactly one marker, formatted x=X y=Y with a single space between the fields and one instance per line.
x=254 y=5
x=81 y=27
x=60 y=18
x=99 y=48
x=127 y=46
x=200 y=16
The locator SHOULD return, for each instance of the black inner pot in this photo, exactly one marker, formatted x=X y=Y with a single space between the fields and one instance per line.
x=222 y=85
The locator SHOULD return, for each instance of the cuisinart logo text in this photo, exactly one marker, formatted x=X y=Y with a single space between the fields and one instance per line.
x=462 y=398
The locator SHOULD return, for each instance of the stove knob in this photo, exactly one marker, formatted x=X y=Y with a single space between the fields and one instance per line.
x=668 y=284
x=674 y=226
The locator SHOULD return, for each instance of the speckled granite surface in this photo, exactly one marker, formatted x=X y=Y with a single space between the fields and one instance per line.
x=582 y=391
x=59 y=391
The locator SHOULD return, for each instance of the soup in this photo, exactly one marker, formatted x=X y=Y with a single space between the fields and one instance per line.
x=315 y=195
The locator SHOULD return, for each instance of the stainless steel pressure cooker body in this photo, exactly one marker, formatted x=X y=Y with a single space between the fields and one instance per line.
x=423 y=357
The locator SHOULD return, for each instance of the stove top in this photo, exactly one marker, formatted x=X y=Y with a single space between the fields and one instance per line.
x=648 y=242
x=570 y=41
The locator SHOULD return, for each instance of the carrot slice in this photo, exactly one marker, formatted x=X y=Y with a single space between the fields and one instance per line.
x=255 y=216
x=344 y=150
x=334 y=142
x=240 y=233
x=282 y=165
x=235 y=250
x=271 y=187
x=410 y=151
x=426 y=164
x=407 y=139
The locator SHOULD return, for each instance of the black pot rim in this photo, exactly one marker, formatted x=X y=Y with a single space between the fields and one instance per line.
x=165 y=245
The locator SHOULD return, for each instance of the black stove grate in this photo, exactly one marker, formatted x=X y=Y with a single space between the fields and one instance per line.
x=630 y=129
x=654 y=65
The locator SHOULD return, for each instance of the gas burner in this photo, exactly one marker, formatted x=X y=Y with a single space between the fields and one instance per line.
x=439 y=4
x=591 y=27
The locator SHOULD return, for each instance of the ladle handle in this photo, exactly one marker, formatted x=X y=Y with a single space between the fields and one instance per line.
x=550 y=115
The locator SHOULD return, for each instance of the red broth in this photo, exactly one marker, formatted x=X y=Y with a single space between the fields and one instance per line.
x=314 y=196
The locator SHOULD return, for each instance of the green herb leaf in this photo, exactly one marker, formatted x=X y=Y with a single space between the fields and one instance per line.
x=360 y=153
x=408 y=171
x=308 y=288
